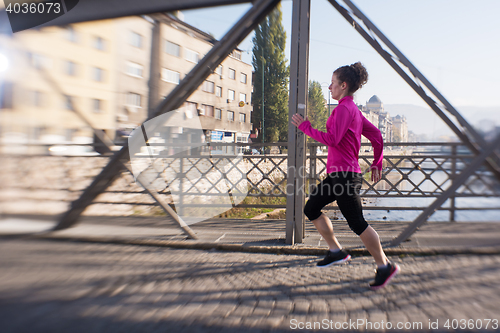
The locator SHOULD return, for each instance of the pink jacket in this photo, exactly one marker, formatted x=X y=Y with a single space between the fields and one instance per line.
x=343 y=137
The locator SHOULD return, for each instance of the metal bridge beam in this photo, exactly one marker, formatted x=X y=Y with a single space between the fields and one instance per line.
x=92 y=10
x=173 y=101
x=457 y=182
x=295 y=221
x=107 y=144
x=468 y=135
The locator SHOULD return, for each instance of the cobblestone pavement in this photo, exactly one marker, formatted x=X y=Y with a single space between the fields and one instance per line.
x=55 y=286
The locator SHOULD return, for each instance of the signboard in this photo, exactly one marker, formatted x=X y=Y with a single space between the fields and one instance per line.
x=217 y=135
x=241 y=104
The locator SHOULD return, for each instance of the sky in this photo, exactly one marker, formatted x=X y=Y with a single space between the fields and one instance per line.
x=454 y=43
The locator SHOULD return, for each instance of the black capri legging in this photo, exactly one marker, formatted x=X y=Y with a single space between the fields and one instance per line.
x=343 y=187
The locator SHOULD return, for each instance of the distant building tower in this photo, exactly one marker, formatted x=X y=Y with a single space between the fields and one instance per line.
x=400 y=128
x=374 y=112
x=375 y=104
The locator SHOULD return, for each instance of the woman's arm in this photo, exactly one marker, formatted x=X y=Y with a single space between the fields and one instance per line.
x=373 y=134
x=335 y=132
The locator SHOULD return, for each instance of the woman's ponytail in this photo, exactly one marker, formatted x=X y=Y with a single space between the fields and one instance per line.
x=354 y=75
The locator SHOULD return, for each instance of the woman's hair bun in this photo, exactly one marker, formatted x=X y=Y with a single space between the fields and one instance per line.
x=354 y=75
x=361 y=72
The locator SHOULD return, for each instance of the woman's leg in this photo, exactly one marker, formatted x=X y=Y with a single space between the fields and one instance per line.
x=325 y=228
x=321 y=196
x=350 y=206
x=372 y=243
x=349 y=202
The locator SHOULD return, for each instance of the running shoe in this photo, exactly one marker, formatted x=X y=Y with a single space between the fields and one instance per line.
x=384 y=275
x=334 y=258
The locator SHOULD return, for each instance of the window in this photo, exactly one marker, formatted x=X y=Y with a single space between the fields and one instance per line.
x=232 y=74
x=134 y=69
x=191 y=55
x=134 y=99
x=36 y=60
x=207 y=110
x=236 y=54
x=68 y=102
x=37 y=98
x=99 y=43
x=97 y=105
x=70 y=68
x=39 y=61
x=243 y=117
x=6 y=95
x=172 y=48
x=243 y=78
x=70 y=132
x=190 y=109
x=243 y=97
x=218 y=91
x=230 y=115
x=230 y=94
x=98 y=74
x=170 y=76
x=135 y=39
x=208 y=87
x=218 y=114
x=218 y=70
x=240 y=139
x=71 y=35
x=37 y=132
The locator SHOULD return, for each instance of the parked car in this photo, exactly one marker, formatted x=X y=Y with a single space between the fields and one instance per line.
x=252 y=151
x=72 y=150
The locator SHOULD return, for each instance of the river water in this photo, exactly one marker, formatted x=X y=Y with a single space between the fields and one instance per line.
x=413 y=197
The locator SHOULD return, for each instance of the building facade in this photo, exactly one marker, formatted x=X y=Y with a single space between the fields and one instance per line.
x=374 y=112
x=400 y=129
x=54 y=72
x=223 y=101
x=393 y=129
x=103 y=70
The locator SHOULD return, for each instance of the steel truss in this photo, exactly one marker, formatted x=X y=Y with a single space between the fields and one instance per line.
x=107 y=143
x=295 y=226
x=396 y=58
x=467 y=134
x=174 y=100
x=94 y=10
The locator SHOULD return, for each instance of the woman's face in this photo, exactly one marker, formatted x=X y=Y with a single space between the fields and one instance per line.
x=337 y=89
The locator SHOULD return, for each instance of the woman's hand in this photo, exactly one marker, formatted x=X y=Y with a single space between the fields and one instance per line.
x=376 y=175
x=297 y=119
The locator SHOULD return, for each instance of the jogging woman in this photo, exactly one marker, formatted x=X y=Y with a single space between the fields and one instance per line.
x=344 y=128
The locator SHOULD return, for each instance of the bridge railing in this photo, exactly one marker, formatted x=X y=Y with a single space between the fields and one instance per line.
x=414 y=173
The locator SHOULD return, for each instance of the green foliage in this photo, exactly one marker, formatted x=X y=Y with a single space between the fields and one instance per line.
x=317 y=111
x=269 y=59
x=248 y=213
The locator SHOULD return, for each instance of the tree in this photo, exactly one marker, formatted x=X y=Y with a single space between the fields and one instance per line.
x=271 y=69
x=316 y=109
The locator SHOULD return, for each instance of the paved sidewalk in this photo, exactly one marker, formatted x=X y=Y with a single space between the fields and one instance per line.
x=54 y=286
x=265 y=236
